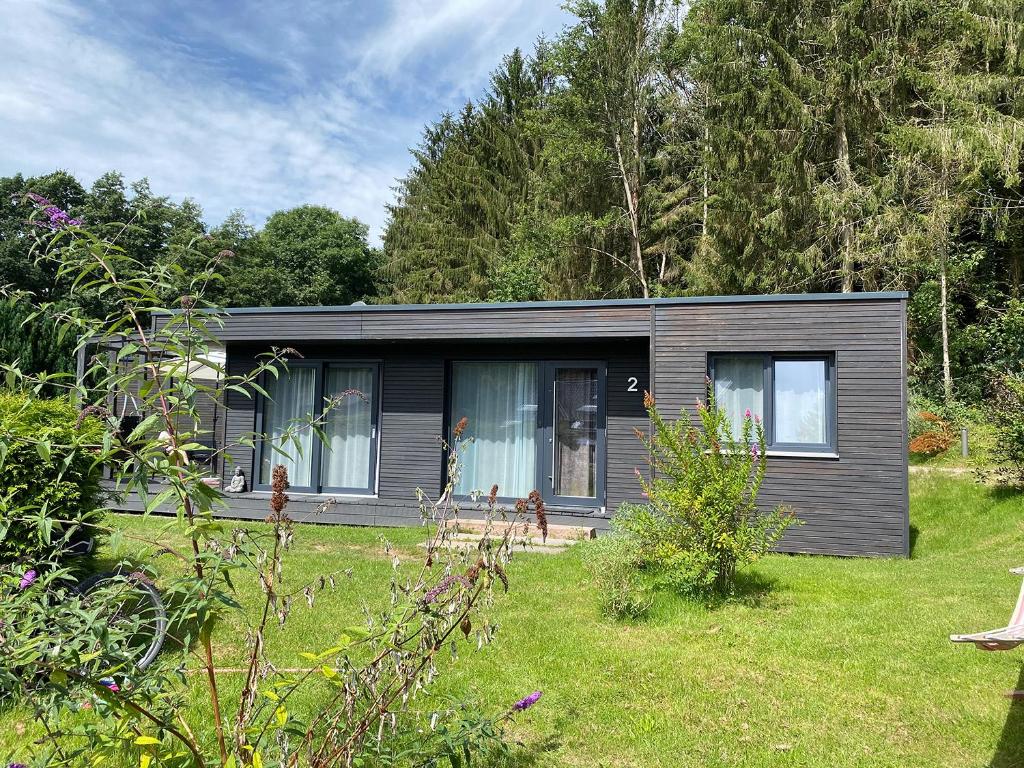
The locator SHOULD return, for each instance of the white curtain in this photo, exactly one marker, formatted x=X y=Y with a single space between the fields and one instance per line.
x=739 y=386
x=499 y=400
x=292 y=397
x=348 y=426
x=800 y=414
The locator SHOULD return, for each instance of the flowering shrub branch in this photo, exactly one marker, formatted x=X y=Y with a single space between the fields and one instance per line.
x=55 y=654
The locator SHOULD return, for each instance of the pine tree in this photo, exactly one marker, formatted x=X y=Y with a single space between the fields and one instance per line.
x=749 y=97
x=458 y=207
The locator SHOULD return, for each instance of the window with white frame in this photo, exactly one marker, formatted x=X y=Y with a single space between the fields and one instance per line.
x=794 y=395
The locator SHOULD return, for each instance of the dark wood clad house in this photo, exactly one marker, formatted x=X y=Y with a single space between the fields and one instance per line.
x=553 y=391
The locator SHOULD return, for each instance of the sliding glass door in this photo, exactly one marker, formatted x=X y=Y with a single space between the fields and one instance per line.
x=534 y=426
x=292 y=399
x=572 y=433
x=350 y=426
x=499 y=402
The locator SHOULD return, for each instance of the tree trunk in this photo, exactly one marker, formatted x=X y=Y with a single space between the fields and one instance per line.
x=845 y=177
x=633 y=212
x=1016 y=269
x=947 y=377
x=706 y=185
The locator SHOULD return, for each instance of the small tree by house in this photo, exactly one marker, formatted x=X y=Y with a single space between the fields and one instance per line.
x=702 y=522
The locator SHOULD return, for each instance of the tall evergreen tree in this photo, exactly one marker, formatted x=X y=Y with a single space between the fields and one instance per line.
x=459 y=205
x=609 y=61
x=750 y=91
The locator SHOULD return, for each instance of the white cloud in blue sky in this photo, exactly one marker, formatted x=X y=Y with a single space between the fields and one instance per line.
x=253 y=105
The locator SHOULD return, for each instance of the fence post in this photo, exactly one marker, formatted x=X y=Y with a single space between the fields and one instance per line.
x=963 y=442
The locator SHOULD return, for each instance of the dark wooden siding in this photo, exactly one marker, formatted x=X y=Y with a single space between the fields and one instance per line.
x=412 y=421
x=625 y=415
x=239 y=420
x=479 y=323
x=853 y=505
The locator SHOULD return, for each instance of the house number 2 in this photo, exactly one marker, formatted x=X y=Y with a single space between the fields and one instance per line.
x=632 y=382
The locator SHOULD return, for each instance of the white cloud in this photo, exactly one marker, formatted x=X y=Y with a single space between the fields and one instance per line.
x=89 y=102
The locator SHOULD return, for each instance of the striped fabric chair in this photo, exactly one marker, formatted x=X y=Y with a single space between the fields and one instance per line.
x=1006 y=638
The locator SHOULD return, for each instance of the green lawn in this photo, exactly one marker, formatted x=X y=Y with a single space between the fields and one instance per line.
x=836 y=662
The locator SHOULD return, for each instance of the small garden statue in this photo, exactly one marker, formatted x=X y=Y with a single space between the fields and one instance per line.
x=237 y=484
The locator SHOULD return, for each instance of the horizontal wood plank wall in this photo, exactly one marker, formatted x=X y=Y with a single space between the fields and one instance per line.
x=480 y=323
x=853 y=505
x=239 y=421
x=412 y=421
x=626 y=414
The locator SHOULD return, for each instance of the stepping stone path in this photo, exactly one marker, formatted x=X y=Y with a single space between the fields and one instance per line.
x=560 y=537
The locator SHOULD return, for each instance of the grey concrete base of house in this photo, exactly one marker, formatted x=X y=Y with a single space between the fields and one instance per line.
x=334 y=510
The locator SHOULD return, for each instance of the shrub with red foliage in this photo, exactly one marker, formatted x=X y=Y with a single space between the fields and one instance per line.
x=936 y=440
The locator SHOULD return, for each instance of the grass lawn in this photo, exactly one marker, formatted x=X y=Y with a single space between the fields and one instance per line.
x=829 y=662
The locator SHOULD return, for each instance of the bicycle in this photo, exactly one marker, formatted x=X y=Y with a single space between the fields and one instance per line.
x=131 y=606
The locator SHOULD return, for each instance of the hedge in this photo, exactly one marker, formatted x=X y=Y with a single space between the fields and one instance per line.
x=50 y=493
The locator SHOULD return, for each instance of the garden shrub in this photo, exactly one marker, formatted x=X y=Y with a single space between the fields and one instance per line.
x=1007 y=415
x=614 y=561
x=50 y=491
x=702 y=522
x=933 y=435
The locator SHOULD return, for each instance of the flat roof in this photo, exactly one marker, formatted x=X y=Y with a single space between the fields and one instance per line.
x=743 y=299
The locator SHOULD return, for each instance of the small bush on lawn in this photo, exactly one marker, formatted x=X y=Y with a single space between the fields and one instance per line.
x=1007 y=414
x=49 y=476
x=702 y=523
x=615 y=561
x=933 y=435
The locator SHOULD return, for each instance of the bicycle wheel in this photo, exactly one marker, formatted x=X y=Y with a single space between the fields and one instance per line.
x=133 y=611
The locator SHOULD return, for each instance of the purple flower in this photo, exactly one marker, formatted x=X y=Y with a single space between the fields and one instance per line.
x=754 y=450
x=526 y=703
x=443 y=586
x=747 y=414
x=27 y=579
x=16 y=765
x=55 y=218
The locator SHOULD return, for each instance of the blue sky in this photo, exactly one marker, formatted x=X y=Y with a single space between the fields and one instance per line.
x=252 y=105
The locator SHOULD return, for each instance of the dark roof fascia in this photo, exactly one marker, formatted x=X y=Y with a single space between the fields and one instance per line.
x=526 y=305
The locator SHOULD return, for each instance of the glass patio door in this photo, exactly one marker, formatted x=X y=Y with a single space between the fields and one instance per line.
x=574 y=432
x=533 y=425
